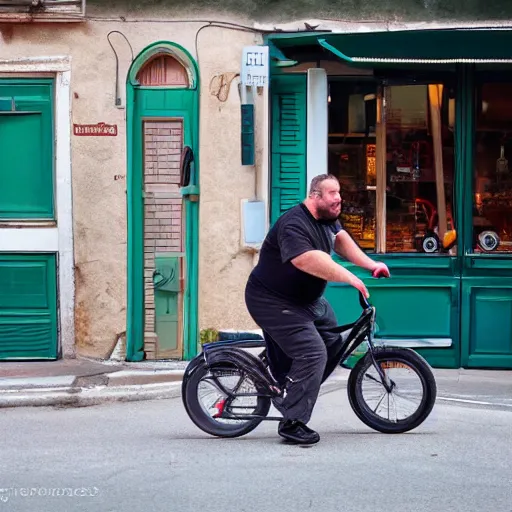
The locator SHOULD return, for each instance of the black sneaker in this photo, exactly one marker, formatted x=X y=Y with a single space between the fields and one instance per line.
x=297 y=432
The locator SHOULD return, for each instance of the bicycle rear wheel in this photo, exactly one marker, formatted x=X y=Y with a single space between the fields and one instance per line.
x=413 y=387
x=205 y=401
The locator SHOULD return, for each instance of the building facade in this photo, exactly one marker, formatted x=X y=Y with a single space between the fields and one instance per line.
x=415 y=124
x=128 y=210
x=101 y=247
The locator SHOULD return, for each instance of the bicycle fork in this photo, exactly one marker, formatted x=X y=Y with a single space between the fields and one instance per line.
x=388 y=384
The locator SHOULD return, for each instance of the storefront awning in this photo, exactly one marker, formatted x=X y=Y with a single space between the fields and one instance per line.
x=447 y=46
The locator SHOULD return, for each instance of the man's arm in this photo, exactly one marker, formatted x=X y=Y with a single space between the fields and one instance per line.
x=348 y=249
x=320 y=264
x=296 y=247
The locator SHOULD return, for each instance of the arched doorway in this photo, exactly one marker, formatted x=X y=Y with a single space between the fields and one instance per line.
x=162 y=120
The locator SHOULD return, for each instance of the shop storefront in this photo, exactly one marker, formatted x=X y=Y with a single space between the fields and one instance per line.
x=419 y=133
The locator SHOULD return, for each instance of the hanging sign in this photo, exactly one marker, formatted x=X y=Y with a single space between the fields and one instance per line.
x=255 y=68
x=98 y=130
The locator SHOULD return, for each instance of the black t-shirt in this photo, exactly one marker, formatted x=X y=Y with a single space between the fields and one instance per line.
x=294 y=233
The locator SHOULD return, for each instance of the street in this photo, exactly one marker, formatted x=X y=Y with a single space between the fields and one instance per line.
x=148 y=456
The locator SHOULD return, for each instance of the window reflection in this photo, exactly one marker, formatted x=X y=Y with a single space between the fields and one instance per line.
x=419 y=163
x=352 y=156
x=492 y=210
x=418 y=122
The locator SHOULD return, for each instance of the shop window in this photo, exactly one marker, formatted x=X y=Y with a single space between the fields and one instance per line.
x=419 y=167
x=392 y=149
x=492 y=201
x=352 y=155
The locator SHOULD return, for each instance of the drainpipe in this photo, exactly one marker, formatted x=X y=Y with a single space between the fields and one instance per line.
x=317 y=124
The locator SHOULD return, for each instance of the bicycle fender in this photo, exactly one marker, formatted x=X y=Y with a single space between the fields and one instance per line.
x=190 y=369
x=242 y=360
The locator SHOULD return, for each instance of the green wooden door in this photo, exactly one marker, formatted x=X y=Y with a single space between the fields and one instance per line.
x=175 y=301
x=26 y=150
x=28 y=306
x=288 y=94
x=486 y=312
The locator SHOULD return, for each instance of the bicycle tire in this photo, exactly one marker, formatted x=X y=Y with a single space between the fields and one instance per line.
x=367 y=416
x=210 y=425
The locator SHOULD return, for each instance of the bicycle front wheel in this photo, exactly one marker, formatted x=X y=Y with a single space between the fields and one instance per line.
x=409 y=401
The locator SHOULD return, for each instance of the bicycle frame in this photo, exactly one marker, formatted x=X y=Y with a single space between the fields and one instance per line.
x=353 y=334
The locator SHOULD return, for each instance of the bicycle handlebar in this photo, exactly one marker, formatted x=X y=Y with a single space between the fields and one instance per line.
x=363 y=301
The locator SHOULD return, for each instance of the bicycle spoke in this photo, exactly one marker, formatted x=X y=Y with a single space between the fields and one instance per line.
x=406 y=382
x=238 y=389
x=380 y=401
x=215 y=381
x=412 y=408
x=400 y=395
x=394 y=404
x=239 y=383
x=370 y=377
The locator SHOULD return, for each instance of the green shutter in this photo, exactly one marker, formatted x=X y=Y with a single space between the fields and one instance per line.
x=26 y=150
x=28 y=306
x=288 y=143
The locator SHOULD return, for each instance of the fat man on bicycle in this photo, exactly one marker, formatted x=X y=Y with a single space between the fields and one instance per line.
x=284 y=296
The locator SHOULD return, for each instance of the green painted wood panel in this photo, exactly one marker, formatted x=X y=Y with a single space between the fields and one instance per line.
x=421 y=301
x=167 y=288
x=26 y=151
x=288 y=175
x=487 y=322
x=486 y=314
x=28 y=306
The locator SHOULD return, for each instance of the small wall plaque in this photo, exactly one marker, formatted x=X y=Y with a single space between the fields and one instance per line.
x=95 y=130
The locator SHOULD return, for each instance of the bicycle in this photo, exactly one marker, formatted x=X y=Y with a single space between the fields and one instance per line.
x=253 y=380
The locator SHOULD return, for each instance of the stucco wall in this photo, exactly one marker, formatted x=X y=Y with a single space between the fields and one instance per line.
x=393 y=10
x=224 y=267
x=99 y=199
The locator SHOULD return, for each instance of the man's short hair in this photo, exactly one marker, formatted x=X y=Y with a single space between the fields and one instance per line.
x=316 y=182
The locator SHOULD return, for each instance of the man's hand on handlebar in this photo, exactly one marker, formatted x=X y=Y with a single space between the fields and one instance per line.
x=380 y=270
x=359 y=285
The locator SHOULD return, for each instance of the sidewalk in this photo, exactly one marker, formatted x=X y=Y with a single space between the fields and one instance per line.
x=82 y=382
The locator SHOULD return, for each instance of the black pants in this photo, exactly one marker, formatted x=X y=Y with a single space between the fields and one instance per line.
x=302 y=352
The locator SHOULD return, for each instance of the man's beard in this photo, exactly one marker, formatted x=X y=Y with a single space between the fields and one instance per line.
x=326 y=214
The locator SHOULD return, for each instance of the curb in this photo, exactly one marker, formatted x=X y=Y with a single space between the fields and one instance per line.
x=71 y=391
x=84 y=397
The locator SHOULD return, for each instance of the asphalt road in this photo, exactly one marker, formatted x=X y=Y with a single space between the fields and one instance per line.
x=148 y=456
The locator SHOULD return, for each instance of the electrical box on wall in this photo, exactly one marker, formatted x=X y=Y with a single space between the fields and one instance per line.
x=247 y=134
x=253 y=223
